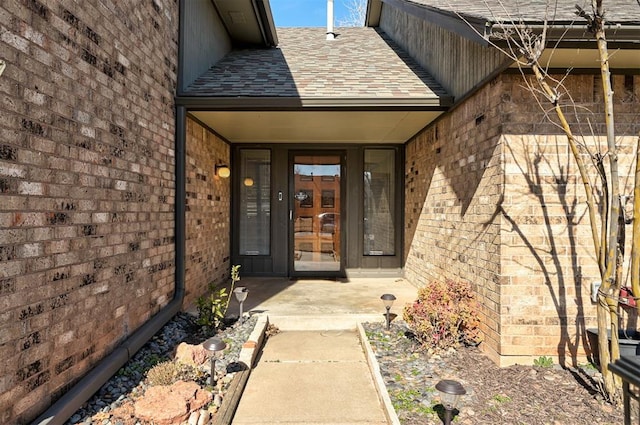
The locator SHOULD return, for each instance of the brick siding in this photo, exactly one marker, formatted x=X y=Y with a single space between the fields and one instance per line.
x=493 y=198
x=86 y=187
x=207 y=212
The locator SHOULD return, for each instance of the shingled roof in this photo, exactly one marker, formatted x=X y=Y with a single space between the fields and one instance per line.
x=616 y=11
x=359 y=63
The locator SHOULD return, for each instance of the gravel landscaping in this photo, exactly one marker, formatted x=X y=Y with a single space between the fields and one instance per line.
x=110 y=403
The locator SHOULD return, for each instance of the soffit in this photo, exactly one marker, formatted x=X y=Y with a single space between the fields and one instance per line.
x=248 y=22
x=317 y=126
x=589 y=59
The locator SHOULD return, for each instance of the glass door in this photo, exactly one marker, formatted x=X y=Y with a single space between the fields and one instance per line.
x=315 y=213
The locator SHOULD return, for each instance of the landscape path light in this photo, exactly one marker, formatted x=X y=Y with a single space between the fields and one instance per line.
x=450 y=392
x=388 y=300
x=214 y=345
x=241 y=295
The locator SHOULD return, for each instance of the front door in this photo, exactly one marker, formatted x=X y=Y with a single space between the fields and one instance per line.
x=315 y=219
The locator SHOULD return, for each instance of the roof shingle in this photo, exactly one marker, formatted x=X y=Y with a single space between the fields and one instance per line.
x=617 y=11
x=359 y=63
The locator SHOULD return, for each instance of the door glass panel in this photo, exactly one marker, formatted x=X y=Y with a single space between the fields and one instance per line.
x=255 y=206
x=316 y=213
x=379 y=197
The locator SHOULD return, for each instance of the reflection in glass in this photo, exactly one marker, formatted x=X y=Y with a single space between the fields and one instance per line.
x=255 y=205
x=316 y=213
x=379 y=194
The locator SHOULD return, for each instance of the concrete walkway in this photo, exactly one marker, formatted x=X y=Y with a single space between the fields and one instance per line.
x=315 y=371
x=311 y=377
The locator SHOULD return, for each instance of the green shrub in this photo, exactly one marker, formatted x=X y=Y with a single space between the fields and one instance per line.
x=444 y=315
x=213 y=307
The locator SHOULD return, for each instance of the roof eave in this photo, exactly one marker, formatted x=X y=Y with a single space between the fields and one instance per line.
x=435 y=103
x=622 y=36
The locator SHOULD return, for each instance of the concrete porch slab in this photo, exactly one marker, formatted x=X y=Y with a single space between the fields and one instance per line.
x=316 y=304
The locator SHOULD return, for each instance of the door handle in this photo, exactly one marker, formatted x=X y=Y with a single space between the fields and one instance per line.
x=290 y=215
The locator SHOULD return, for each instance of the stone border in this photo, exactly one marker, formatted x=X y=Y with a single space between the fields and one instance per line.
x=374 y=368
x=248 y=354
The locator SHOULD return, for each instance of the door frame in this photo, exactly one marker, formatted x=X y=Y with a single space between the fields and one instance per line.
x=342 y=154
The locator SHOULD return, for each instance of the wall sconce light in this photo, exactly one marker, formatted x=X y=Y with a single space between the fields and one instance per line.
x=248 y=181
x=222 y=170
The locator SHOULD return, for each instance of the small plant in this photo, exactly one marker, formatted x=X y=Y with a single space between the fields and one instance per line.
x=213 y=307
x=543 y=361
x=500 y=398
x=167 y=373
x=409 y=401
x=444 y=315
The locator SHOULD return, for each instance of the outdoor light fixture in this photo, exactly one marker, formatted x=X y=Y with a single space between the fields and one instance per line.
x=248 y=181
x=241 y=294
x=213 y=345
x=222 y=170
x=388 y=300
x=450 y=392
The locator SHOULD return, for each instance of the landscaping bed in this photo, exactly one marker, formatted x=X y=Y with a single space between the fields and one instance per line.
x=115 y=402
x=534 y=395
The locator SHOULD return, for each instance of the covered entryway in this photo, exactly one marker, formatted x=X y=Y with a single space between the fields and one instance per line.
x=317 y=130
x=309 y=210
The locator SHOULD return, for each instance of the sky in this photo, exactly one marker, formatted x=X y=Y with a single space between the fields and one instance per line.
x=306 y=13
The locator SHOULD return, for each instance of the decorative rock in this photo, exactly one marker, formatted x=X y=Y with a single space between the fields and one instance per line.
x=217 y=400
x=193 y=418
x=249 y=344
x=204 y=417
x=169 y=405
x=128 y=385
x=191 y=354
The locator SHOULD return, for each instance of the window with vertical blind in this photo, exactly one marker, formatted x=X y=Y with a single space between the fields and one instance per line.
x=379 y=199
x=255 y=202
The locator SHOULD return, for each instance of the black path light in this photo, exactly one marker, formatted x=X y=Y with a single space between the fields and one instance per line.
x=388 y=300
x=241 y=293
x=214 y=345
x=450 y=392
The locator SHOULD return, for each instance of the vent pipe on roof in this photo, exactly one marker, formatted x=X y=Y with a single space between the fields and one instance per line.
x=330 y=34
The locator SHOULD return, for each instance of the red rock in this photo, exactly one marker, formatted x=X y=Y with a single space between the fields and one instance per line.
x=249 y=344
x=191 y=354
x=171 y=404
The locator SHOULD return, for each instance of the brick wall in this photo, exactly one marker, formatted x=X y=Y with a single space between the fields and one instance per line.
x=207 y=211
x=548 y=260
x=86 y=186
x=453 y=184
x=492 y=198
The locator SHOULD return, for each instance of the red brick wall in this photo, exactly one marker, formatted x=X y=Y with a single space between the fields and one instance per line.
x=86 y=186
x=492 y=198
x=207 y=211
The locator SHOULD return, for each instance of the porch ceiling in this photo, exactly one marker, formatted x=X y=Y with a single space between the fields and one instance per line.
x=316 y=126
